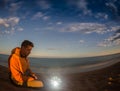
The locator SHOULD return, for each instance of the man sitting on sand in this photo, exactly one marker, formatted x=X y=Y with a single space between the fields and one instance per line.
x=19 y=67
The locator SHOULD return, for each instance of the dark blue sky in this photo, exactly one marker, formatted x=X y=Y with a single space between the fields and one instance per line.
x=61 y=28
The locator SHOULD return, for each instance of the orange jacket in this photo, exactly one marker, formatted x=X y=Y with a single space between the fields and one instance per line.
x=18 y=66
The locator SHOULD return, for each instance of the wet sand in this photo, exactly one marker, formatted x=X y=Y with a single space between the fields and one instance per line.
x=105 y=79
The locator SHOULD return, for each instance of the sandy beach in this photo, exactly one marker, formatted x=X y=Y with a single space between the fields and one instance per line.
x=105 y=79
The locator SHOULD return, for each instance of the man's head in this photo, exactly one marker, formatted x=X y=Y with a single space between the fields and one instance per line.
x=26 y=48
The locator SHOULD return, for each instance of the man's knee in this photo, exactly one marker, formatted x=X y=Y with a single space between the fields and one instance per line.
x=35 y=83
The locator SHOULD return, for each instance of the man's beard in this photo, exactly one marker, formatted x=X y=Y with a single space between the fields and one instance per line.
x=23 y=56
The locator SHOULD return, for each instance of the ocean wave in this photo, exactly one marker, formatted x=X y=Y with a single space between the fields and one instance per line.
x=76 y=69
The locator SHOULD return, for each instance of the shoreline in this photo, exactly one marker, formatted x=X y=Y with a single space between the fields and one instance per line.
x=77 y=69
x=96 y=80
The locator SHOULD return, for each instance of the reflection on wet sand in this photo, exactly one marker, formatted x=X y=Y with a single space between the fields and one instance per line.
x=105 y=79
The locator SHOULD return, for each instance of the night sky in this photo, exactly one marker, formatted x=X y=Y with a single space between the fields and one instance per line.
x=61 y=28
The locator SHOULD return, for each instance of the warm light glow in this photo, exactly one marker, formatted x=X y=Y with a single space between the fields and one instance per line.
x=55 y=82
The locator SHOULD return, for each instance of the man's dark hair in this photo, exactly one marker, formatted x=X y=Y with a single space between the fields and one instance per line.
x=25 y=43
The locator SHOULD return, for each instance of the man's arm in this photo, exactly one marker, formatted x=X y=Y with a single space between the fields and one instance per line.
x=30 y=73
x=15 y=69
x=33 y=75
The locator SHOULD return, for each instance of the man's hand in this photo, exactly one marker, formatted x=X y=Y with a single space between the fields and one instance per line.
x=34 y=76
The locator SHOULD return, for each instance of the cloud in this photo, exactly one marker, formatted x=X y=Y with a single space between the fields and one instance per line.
x=114 y=6
x=81 y=41
x=43 y=4
x=81 y=5
x=84 y=28
x=117 y=41
x=20 y=29
x=105 y=43
x=109 y=42
x=14 y=7
x=112 y=40
x=40 y=15
x=89 y=28
x=101 y=15
x=8 y=24
x=116 y=37
x=115 y=28
x=3 y=22
x=59 y=23
x=13 y=21
x=45 y=17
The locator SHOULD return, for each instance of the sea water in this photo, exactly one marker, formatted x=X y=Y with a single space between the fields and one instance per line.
x=66 y=65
